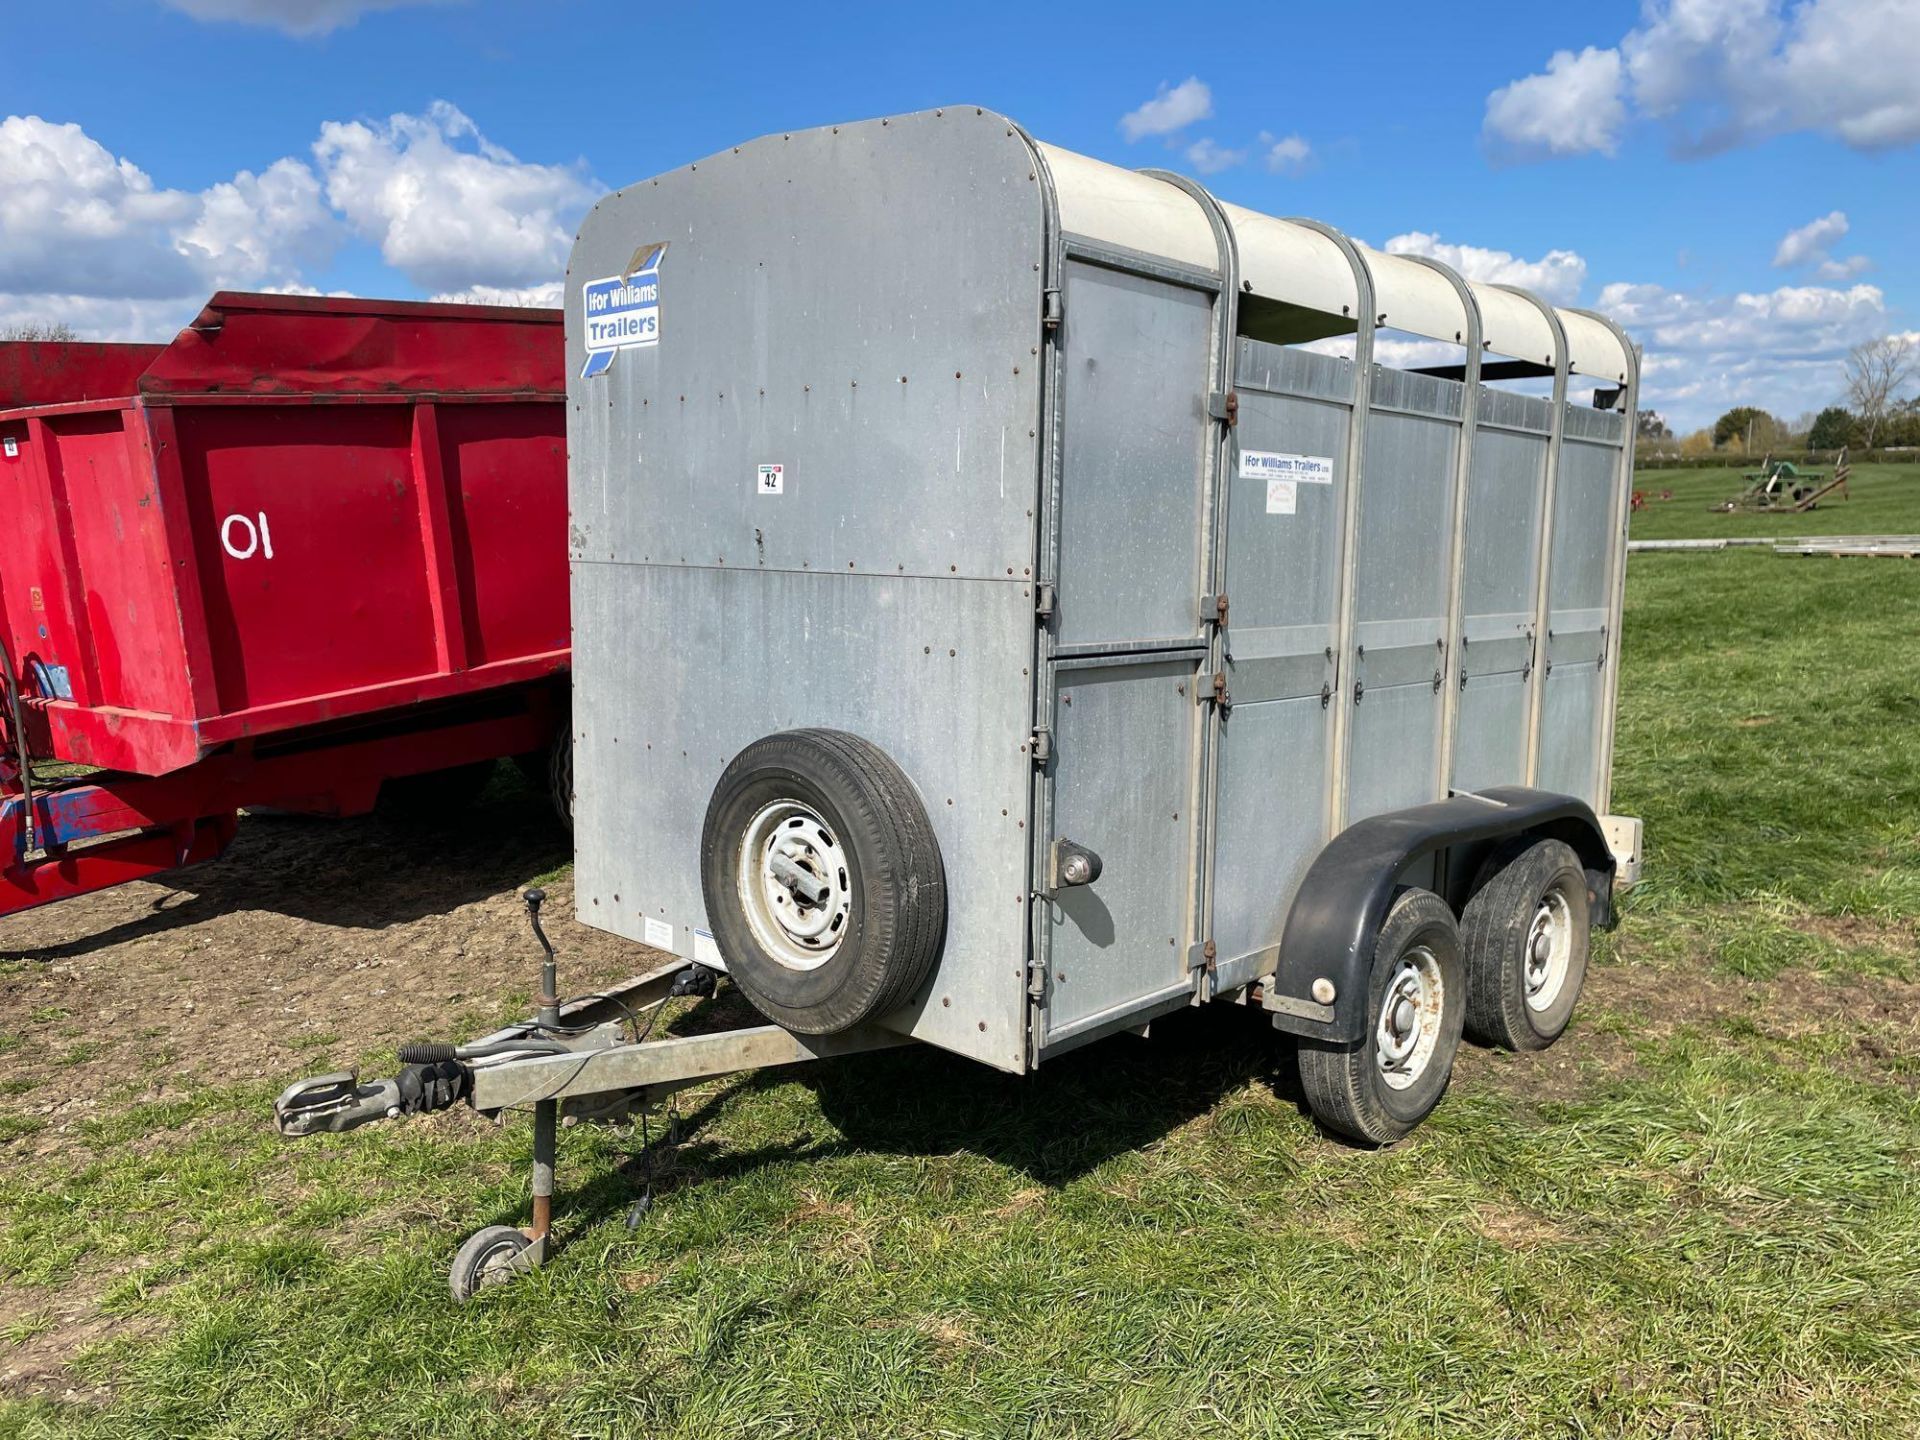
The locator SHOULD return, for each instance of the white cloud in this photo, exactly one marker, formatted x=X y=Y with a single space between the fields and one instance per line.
x=1780 y=349
x=540 y=297
x=1556 y=276
x=448 y=208
x=1720 y=73
x=1285 y=154
x=1210 y=157
x=87 y=238
x=1169 y=110
x=296 y=17
x=1811 y=241
x=1844 y=267
x=1574 y=106
x=253 y=230
x=1812 y=244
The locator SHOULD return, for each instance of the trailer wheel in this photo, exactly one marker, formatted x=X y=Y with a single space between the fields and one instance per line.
x=560 y=776
x=1378 y=1090
x=822 y=879
x=551 y=771
x=1526 y=931
x=487 y=1258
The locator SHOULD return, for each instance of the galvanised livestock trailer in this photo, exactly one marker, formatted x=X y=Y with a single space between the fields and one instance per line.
x=1014 y=599
x=311 y=548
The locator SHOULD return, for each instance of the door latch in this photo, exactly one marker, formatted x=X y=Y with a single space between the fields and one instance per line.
x=1072 y=865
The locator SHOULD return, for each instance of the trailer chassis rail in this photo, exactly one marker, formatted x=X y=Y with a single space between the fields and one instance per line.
x=576 y=1058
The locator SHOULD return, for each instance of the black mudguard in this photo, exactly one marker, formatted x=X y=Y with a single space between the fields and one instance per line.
x=1343 y=901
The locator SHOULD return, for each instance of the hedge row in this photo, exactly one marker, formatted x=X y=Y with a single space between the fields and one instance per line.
x=1802 y=458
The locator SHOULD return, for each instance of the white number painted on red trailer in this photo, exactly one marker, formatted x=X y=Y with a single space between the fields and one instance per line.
x=258 y=538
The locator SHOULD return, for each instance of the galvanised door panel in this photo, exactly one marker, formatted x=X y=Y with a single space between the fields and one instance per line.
x=1569 y=730
x=1282 y=580
x=1402 y=563
x=1136 y=358
x=1391 y=762
x=1122 y=784
x=1577 y=640
x=1134 y=428
x=1490 y=732
x=1499 y=585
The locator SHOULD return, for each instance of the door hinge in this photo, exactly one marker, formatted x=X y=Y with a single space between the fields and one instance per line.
x=1213 y=609
x=1225 y=405
x=1201 y=957
x=1052 y=309
x=1041 y=746
x=1037 y=979
x=1213 y=691
x=1601 y=663
x=1043 y=600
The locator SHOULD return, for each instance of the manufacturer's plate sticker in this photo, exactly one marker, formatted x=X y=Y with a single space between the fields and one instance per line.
x=1282 y=497
x=770 y=480
x=706 y=952
x=659 y=934
x=622 y=312
x=1273 y=465
x=12 y=448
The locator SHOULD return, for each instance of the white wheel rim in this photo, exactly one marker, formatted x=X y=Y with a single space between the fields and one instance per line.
x=793 y=883
x=1549 y=952
x=1410 y=1011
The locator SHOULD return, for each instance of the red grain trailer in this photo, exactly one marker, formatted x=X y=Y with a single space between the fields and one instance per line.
x=311 y=547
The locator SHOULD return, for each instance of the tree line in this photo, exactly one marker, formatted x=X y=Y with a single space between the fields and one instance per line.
x=1877 y=411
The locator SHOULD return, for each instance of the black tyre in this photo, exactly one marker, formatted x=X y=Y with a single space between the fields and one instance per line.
x=822 y=879
x=550 y=771
x=1378 y=1090
x=1526 y=932
x=436 y=794
x=487 y=1258
x=560 y=776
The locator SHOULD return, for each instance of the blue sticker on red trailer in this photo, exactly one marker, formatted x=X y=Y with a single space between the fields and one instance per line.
x=621 y=312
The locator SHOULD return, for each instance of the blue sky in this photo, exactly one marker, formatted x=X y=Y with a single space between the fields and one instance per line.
x=1654 y=160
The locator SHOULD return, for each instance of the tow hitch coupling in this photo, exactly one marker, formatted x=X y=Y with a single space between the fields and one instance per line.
x=340 y=1102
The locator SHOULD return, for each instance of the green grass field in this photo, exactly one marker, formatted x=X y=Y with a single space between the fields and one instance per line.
x=1698 y=1216
x=1882 y=500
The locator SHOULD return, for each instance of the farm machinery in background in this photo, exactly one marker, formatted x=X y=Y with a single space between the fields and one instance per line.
x=1780 y=485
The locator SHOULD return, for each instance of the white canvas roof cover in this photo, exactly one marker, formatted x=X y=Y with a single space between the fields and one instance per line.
x=1298 y=284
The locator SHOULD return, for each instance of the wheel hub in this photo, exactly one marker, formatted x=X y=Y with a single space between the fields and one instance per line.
x=794 y=886
x=1410 y=1011
x=1549 y=952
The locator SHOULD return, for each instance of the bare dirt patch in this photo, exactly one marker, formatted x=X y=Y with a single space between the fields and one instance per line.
x=310 y=944
x=1515 y=1229
x=1627 y=1005
x=1855 y=931
x=41 y=1331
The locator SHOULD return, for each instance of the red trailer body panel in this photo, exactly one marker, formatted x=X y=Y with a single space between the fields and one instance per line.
x=304 y=509
x=332 y=532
